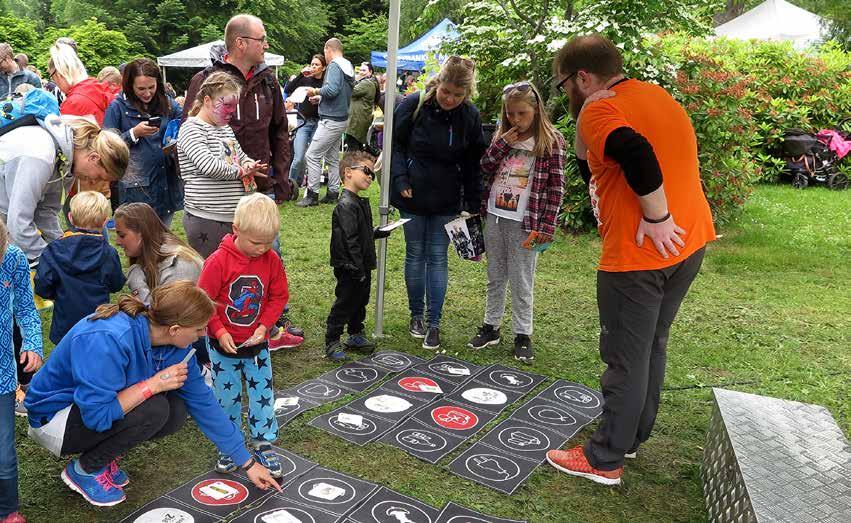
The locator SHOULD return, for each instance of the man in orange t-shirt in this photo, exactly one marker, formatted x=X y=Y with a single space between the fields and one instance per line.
x=637 y=151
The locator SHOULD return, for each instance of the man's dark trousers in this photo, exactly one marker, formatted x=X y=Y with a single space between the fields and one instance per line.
x=637 y=309
x=349 y=308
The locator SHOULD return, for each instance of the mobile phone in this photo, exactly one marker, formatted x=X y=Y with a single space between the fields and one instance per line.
x=155 y=121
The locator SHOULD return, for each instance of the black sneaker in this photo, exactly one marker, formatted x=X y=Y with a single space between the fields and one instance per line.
x=486 y=335
x=432 y=338
x=359 y=342
x=523 y=348
x=311 y=199
x=284 y=322
x=330 y=197
x=334 y=352
x=417 y=328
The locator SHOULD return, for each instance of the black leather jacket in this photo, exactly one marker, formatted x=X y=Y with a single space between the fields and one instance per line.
x=352 y=235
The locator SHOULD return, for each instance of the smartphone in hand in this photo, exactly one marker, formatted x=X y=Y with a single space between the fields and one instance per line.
x=155 y=121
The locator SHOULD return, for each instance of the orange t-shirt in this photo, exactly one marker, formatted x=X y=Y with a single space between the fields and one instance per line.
x=650 y=111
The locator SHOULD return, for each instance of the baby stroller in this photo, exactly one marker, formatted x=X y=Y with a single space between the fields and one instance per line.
x=810 y=158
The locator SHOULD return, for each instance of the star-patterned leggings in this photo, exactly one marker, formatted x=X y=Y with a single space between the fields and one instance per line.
x=228 y=376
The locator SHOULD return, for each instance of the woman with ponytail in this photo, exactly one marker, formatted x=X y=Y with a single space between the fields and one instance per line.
x=38 y=164
x=123 y=376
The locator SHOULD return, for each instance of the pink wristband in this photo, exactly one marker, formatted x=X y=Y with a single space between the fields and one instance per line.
x=146 y=391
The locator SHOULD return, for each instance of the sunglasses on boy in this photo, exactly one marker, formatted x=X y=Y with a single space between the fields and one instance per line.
x=366 y=170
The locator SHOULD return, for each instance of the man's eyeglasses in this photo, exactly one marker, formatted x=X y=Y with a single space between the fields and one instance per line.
x=455 y=59
x=366 y=170
x=560 y=85
x=261 y=39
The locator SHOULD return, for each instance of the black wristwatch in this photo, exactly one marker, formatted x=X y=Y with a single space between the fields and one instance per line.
x=250 y=464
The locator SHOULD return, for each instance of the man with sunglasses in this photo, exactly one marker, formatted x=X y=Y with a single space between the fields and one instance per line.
x=638 y=152
x=260 y=123
x=12 y=74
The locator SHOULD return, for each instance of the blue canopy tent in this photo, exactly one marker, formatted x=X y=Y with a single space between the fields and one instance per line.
x=412 y=57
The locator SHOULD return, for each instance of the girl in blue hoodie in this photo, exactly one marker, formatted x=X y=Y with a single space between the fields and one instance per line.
x=122 y=377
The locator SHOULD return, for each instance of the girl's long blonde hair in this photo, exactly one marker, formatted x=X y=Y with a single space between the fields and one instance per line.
x=156 y=237
x=66 y=63
x=544 y=133
x=112 y=150
x=176 y=303
x=217 y=84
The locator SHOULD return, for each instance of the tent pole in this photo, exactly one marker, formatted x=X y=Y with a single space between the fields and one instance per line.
x=384 y=202
x=164 y=80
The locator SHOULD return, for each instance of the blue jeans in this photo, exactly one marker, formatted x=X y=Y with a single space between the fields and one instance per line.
x=426 y=274
x=300 y=145
x=8 y=457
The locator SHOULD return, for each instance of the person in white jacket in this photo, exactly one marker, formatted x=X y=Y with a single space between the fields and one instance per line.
x=40 y=162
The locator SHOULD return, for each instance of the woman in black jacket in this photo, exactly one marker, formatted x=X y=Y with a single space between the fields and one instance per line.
x=311 y=76
x=437 y=145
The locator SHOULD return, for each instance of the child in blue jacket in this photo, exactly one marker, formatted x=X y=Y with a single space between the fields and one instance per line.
x=16 y=297
x=80 y=269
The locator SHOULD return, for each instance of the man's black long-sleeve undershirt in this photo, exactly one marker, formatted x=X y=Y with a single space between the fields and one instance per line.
x=636 y=157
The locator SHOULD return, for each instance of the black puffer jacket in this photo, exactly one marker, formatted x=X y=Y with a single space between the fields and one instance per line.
x=437 y=157
x=352 y=246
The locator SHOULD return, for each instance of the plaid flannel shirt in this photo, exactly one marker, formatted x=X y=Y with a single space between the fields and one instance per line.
x=547 y=192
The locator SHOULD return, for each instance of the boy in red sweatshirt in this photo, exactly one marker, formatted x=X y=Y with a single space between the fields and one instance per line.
x=249 y=285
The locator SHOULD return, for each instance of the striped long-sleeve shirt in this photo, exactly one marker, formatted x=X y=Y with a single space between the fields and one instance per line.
x=209 y=159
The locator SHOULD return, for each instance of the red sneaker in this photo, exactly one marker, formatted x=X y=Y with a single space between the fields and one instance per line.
x=284 y=340
x=575 y=463
x=14 y=517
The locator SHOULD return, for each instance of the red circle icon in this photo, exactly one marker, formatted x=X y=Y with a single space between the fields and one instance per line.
x=219 y=492
x=455 y=418
x=419 y=384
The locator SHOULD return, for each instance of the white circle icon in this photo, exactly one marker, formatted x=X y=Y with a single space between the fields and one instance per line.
x=485 y=396
x=165 y=515
x=387 y=404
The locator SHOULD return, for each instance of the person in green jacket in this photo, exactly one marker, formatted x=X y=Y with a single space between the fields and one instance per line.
x=364 y=96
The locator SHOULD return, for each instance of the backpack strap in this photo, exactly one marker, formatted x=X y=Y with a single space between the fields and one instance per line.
x=23 y=121
x=419 y=105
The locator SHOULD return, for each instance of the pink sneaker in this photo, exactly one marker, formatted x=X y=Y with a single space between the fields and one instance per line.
x=284 y=340
x=14 y=517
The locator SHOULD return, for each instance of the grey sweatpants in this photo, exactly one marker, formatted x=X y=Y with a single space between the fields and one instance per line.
x=325 y=144
x=509 y=262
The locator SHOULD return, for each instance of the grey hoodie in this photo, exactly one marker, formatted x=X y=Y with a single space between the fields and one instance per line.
x=172 y=268
x=336 y=91
x=31 y=184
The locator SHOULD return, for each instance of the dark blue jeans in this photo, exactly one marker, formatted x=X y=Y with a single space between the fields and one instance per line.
x=8 y=457
x=426 y=274
x=300 y=145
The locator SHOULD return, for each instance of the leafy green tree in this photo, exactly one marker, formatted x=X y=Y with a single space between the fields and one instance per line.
x=21 y=34
x=97 y=46
x=364 y=35
x=295 y=29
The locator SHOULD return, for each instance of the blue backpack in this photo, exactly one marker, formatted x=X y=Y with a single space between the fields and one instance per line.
x=32 y=109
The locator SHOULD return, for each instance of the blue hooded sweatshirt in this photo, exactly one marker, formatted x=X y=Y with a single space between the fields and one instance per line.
x=77 y=271
x=98 y=359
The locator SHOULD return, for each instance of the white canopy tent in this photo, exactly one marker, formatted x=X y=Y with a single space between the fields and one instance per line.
x=775 y=20
x=199 y=57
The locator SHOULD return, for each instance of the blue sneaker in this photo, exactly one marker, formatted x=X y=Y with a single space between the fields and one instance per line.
x=225 y=465
x=334 y=352
x=97 y=488
x=359 y=342
x=119 y=477
x=265 y=456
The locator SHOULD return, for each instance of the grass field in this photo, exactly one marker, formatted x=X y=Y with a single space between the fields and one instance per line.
x=769 y=314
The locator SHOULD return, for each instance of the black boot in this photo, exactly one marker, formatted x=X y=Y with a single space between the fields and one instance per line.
x=310 y=199
x=330 y=197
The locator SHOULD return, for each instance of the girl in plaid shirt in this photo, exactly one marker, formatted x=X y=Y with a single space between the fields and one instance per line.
x=523 y=171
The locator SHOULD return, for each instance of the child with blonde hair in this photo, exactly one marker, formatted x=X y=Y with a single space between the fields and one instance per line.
x=214 y=168
x=80 y=269
x=523 y=171
x=249 y=285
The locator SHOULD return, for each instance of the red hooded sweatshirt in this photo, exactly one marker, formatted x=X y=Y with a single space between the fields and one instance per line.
x=88 y=97
x=248 y=292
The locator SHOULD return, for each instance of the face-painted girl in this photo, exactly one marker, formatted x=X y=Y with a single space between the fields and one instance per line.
x=222 y=108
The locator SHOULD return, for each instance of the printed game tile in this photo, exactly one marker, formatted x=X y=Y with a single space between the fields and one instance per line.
x=288 y=405
x=453 y=418
x=508 y=378
x=388 y=404
x=278 y=510
x=484 y=396
x=546 y=414
x=420 y=441
x=389 y=506
x=354 y=376
x=328 y=490
x=167 y=510
x=359 y=431
x=320 y=391
x=575 y=396
x=218 y=494
x=392 y=361
x=292 y=466
x=415 y=383
x=523 y=440
x=449 y=368
x=455 y=513
x=493 y=468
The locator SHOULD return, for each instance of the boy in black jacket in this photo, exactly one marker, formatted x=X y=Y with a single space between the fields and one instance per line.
x=352 y=256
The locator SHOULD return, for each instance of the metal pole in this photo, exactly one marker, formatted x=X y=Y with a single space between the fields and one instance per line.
x=384 y=202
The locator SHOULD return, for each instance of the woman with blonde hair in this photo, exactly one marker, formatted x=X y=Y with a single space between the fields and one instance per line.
x=38 y=164
x=124 y=376
x=437 y=144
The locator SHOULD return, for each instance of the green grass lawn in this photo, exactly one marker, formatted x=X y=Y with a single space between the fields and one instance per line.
x=769 y=314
